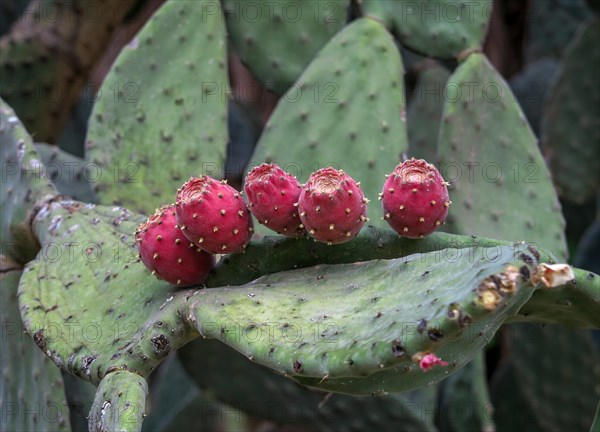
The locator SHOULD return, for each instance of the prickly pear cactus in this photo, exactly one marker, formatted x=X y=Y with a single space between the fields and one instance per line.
x=165 y=98
x=362 y=335
x=571 y=123
x=277 y=40
x=354 y=336
x=500 y=185
x=425 y=112
x=438 y=28
x=346 y=110
x=31 y=390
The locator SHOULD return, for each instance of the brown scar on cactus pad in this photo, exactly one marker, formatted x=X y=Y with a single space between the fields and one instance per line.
x=333 y=208
x=493 y=289
x=213 y=215
x=415 y=199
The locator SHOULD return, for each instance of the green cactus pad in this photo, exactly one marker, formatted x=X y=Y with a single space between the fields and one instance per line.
x=263 y=393
x=120 y=403
x=23 y=184
x=48 y=56
x=425 y=112
x=175 y=402
x=70 y=175
x=162 y=116
x=571 y=123
x=464 y=401
x=512 y=412
x=277 y=40
x=100 y=310
x=35 y=79
x=574 y=304
x=31 y=390
x=500 y=185
x=551 y=24
x=530 y=86
x=354 y=328
x=437 y=28
x=273 y=254
x=557 y=371
x=347 y=111
x=80 y=397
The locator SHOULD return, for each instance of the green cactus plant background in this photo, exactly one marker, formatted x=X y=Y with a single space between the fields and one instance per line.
x=295 y=335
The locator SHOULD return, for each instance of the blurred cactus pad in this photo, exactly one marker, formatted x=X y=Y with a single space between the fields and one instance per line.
x=487 y=324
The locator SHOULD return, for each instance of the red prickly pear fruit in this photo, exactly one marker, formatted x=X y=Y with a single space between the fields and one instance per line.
x=332 y=206
x=168 y=254
x=272 y=197
x=213 y=215
x=415 y=199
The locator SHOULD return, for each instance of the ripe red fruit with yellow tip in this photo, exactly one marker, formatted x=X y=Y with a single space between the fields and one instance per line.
x=332 y=206
x=272 y=197
x=168 y=254
x=415 y=199
x=213 y=215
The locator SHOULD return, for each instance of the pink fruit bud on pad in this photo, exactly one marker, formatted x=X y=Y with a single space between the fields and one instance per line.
x=332 y=206
x=415 y=199
x=168 y=254
x=213 y=215
x=273 y=199
x=429 y=361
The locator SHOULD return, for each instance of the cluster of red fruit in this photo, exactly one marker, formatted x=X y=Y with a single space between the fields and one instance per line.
x=210 y=217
